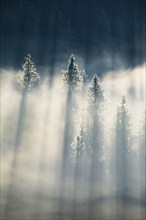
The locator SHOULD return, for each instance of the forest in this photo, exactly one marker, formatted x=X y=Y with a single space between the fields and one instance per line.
x=68 y=151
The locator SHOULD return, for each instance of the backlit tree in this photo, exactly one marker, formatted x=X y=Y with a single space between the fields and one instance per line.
x=28 y=77
x=123 y=146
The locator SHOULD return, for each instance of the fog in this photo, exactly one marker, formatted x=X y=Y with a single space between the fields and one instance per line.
x=41 y=177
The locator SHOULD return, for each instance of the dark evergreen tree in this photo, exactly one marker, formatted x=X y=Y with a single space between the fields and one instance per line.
x=28 y=77
x=96 y=103
x=123 y=146
x=72 y=79
x=96 y=94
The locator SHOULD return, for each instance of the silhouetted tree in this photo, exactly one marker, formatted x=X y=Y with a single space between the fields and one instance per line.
x=123 y=145
x=73 y=77
x=96 y=102
x=28 y=77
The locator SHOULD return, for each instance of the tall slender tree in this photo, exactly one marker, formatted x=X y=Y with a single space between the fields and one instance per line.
x=28 y=78
x=123 y=145
x=72 y=78
x=80 y=154
x=96 y=100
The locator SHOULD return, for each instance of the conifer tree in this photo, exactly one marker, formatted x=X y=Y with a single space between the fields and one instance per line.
x=73 y=77
x=96 y=103
x=81 y=159
x=78 y=147
x=96 y=95
x=123 y=145
x=28 y=77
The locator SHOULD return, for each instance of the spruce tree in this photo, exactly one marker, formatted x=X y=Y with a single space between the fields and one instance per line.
x=73 y=77
x=28 y=77
x=96 y=103
x=123 y=145
x=95 y=94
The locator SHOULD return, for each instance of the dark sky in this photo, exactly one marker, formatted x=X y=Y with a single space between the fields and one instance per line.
x=106 y=34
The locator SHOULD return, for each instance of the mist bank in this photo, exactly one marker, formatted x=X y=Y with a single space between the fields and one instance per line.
x=31 y=171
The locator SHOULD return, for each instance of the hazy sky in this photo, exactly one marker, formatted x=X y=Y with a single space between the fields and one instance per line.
x=106 y=34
